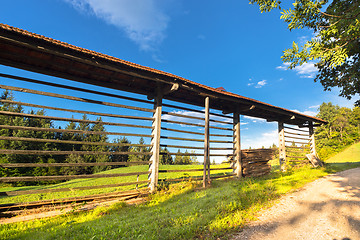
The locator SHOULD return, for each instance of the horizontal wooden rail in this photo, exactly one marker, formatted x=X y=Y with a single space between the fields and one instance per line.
x=192 y=132
x=178 y=146
x=295 y=151
x=299 y=134
x=16 y=165
x=183 y=154
x=218 y=155
x=195 y=124
x=71 y=131
x=295 y=156
x=189 y=170
x=194 y=140
x=221 y=148
x=226 y=168
x=219 y=141
x=182 y=115
x=37 y=191
x=183 y=139
x=79 y=111
x=182 y=131
x=193 y=110
x=297 y=142
x=194 y=178
x=192 y=154
x=291 y=137
x=300 y=130
x=36 y=204
x=296 y=147
x=192 y=147
x=180 y=170
x=221 y=128
x=183 y=123
x=40 y=152
x=86 y=100
x=222 y=122
x=70 y=119
x=74 y=88
x=220 y=135
x=73 y=142
x=222 y=176
x=67 y=177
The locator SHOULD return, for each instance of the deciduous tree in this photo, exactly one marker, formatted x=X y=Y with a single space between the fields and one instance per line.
x=335 y=46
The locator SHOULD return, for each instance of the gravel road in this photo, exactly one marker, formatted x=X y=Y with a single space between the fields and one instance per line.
x=328 y=208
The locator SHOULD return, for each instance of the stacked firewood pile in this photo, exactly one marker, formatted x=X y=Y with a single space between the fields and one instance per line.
x=254 y=161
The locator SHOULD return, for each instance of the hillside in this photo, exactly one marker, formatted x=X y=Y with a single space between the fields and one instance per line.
x=350 y=154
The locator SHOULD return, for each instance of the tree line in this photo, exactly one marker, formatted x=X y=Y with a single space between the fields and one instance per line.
x=342 y=130
x=103 y=144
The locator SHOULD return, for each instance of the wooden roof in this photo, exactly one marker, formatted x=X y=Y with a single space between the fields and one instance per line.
x=25 y=50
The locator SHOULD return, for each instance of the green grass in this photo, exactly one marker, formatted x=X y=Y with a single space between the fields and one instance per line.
x=184 y=211
x=350 y=154
x=102 y=181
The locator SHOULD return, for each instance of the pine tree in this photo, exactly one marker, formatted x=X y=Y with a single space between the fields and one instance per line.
x=165 y=157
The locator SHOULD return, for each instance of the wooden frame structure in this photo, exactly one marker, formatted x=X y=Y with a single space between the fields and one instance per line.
x=28 y=51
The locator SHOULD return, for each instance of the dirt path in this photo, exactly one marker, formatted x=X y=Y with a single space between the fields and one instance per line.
x=328 y=208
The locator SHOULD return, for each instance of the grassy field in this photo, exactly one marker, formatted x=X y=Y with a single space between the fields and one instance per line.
x=184 y=211
x=351 y=154
x=104 y=181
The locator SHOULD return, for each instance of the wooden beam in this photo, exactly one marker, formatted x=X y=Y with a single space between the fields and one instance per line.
x=312 y=139
x=282 y=153
x=206 y=179
x=237 y=146
x=155 y=142
x=165 y=91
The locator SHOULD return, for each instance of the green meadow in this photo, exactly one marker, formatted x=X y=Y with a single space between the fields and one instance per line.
x=180 y=211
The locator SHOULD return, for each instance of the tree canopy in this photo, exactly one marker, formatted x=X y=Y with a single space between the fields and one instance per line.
x=342 y=130
x=335 y=45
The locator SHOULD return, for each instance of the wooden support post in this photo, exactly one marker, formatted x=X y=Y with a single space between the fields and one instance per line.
x=312 y=139
x=155 y=144
x=282 y=153
x=206 y=144
x=237 y=145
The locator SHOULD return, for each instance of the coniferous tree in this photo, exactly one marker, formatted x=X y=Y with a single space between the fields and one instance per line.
x=165 y=157
x=122 y=147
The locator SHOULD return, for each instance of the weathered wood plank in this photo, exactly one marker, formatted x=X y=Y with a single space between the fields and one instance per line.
x=75 y=111
x=17 y=193
x=44 y=152
x=16 y=165
x=66 y=177
x=72 y=131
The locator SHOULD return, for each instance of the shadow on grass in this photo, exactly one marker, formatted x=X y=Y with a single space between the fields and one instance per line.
x=337 y=167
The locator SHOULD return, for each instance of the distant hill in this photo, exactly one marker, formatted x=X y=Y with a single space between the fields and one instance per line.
x=350 y=154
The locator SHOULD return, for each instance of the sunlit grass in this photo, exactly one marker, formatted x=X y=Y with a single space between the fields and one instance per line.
x=184 y=211
x=350 y=154
x=103 y=181
x=180 y=211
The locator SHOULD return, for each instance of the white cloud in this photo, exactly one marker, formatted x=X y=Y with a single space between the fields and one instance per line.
x=259 y=84
x=143 y=21
x=255 y=119
x=307 y=70
x=306 y=112
x=315 y=106
x=265 y=139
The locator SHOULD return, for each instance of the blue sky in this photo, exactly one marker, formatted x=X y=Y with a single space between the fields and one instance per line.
x=227 y=44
